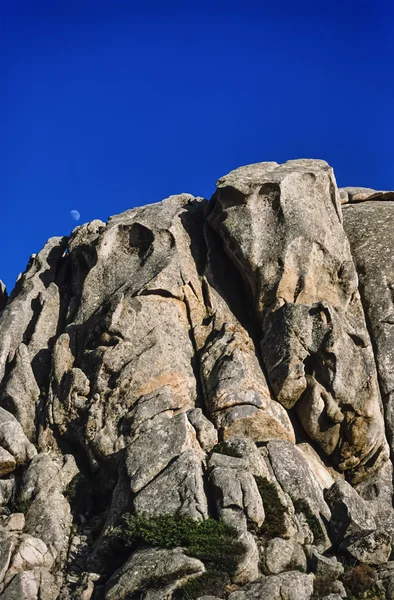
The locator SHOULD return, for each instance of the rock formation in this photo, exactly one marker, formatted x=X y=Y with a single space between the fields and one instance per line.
x=197 y=398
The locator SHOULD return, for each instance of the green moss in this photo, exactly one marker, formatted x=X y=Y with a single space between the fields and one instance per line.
x=227 y=449
x=274 y=523
x=302 y=506
x=23 y=504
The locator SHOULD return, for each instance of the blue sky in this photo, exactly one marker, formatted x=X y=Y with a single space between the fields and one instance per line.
x=108 y=104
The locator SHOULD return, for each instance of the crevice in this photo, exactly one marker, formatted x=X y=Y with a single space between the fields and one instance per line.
x=156 y=292
x=36 y=307
x=195 y=362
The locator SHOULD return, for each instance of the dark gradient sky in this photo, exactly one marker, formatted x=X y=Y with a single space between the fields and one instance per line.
x=109 y=104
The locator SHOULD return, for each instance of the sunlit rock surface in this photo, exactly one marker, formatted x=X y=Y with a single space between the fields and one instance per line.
x=229 y=360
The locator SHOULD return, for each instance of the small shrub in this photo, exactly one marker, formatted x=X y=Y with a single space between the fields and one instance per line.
x=227 y=449
x=210 y=583
x=23 y=504
x=358 y=580
x=301 y=506
x=322 y=586
x=274 y=523
x=213 y=542
x=73 y=488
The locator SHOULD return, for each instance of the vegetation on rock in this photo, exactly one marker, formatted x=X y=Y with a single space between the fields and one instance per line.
x=213 y=542
x=302 y=506
x=274 y=523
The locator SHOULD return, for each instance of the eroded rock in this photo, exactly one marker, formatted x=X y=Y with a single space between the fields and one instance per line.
x=13 y=438
x=281 y=226
x=201 y=360
x=153 y=568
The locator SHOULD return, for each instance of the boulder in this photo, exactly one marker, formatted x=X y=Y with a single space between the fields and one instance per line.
x=326 y=566
x=153 y=568
x=30 y=553
x=15 y=522
x=292 y=585
x=349 y=512
x=237 y=490
x=369 y=547
x=13 y=438
x=283 y=555
x=7 y=462
x=37 y=584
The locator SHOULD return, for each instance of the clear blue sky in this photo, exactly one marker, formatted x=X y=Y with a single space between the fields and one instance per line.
x=109 y=104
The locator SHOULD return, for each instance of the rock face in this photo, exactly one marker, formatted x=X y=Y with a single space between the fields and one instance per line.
x=195 y=365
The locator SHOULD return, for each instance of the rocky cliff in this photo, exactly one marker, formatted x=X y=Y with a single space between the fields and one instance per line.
x=197 y=399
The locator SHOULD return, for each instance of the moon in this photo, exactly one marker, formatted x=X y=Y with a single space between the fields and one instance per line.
x=75 y=215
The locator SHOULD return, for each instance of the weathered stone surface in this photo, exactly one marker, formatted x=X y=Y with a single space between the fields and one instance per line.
x=328 y=566
x=3 y=295
x=236 y=391
x=349 y=512
x=386 y=577
x=236 y=489
x=178 y=490
x=296 y=262
x=30 y=553
x=24 y=305
x=284 y=555
x=21 y=392
x=292 y=585
x=245 y=449
x=320 y=471
x=369 y=226
x=248 y=566
x=362 y=194
x=15 y=522
x=297 y=479
x=149 y=453
x=6 y=490
x=48 y=516
x=146 y=568
x=37 y=584
x=206 y=433
x=13 y=439
x=372 y=547
x=177 y=353
x=6 y=548
x=7 y=462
